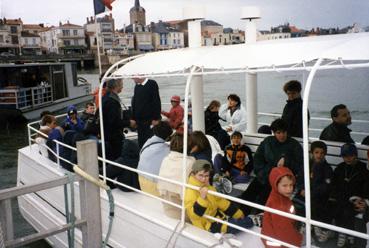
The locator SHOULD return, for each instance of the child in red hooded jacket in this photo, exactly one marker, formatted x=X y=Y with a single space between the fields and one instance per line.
x=276 y=226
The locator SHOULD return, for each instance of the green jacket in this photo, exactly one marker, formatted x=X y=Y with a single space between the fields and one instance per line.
x=270 y=151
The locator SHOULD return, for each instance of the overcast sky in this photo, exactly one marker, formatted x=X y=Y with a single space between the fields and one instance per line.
x=302 y=13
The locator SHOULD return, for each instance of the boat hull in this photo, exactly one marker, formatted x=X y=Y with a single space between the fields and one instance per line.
x=151 y=228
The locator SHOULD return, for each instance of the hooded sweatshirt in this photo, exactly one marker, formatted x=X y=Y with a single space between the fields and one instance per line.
x=276 y=226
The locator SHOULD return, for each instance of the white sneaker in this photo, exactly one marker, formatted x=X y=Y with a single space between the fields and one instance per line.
x=257 y=219
x=341 y=240
x=324 y=235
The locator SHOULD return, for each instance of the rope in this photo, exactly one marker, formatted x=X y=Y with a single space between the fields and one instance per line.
x=173 y=233
x=2 y=241
x=111 y=216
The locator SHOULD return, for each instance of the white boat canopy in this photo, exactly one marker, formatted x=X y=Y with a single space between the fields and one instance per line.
x=262 y=54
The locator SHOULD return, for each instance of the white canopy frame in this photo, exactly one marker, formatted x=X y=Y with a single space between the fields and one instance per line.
x=359 y=60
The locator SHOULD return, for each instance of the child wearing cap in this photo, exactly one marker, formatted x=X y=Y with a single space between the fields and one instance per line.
x=349 y=191
x=72 y=122
x=199 y=203
x=175 y=115
x=276 y=226
x=237 y=162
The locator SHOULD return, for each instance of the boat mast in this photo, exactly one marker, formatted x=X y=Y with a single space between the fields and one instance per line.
x=251 y=14
x=194 y=15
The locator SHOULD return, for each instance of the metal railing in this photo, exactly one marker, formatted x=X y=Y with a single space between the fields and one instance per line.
x=24 y=98
x=185 y=185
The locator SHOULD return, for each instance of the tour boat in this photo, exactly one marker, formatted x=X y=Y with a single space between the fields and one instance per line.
x=139 y=219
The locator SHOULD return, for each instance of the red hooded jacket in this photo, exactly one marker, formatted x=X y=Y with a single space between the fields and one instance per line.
x=276 y=226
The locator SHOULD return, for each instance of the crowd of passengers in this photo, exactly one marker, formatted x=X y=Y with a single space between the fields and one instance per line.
x=274 y=173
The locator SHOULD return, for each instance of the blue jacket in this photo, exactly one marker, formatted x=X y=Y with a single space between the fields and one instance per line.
x=69 y=125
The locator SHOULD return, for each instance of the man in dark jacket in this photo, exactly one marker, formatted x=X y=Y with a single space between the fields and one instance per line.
x=113 y=119
x=292 y=112
x=146 y=108
x=338 y=130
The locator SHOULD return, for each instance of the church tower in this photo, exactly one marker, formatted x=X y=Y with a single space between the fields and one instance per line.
x=137 y=14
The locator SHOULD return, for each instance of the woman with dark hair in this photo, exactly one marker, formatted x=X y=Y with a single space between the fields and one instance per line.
x=234 y=114
x=200 y=146
x=212 y=126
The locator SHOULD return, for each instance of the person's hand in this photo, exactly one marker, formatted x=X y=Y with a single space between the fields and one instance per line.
x=360 y=205
x=281 y=162
x=154 y=122
x=302 y=193
x=227 y=174
x=203 y=192
x=132 y=123
x=73 y=119
x=242 y=173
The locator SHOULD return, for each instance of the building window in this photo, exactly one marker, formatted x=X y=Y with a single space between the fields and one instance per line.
x=163 y=39
x=66 y=33
x=75 y=32
x=76 y=42
x=66 y=42
x=1 y=39
x=13 y=29
x=34 y=41
x=26 y=41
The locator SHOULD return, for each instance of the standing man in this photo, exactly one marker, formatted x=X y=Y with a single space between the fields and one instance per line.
x=292 y=112
x=338 y=130
x=113 y=119
x=146 y=108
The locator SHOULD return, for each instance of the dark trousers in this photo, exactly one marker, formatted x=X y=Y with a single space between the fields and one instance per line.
x=256 y=192
x=144 y=132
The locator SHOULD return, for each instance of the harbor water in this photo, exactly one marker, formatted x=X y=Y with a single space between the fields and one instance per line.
x=350 y=87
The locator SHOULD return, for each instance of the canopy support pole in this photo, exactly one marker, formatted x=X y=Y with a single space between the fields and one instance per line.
x=251 y=14
x=194 y=14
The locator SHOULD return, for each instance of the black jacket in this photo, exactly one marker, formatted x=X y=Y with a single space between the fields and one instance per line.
x=348 y=181
x=212 y=125
x=292 y=115
x=321 y=179
x=146 y=104
x=336 y=132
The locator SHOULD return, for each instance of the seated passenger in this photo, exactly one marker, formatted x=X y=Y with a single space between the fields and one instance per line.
x=237 y=162
x=47 y=123
x=320 y=185
x=171 y=168
x=152 y=154
x=89 y=112
x=200 y=146
x=338 y=130
x=72 y=122
x=234 y=114
x=278 y=150
x=175 y=115
x=199 y=203
x=349 y=191
x=276 y=226
x=212 y=126
x=56 y=133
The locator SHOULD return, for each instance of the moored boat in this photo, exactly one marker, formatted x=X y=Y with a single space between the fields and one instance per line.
x=28 y=89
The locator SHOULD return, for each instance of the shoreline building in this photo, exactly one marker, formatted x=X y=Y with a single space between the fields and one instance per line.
x=166 y=37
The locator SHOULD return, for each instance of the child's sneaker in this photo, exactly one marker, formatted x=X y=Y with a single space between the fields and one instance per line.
x=317 y=231
x=323 y=237
x=351 y=240
x=257 y=219
x=341 y=240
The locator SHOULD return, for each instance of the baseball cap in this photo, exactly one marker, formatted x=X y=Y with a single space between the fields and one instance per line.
x=175 y=99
